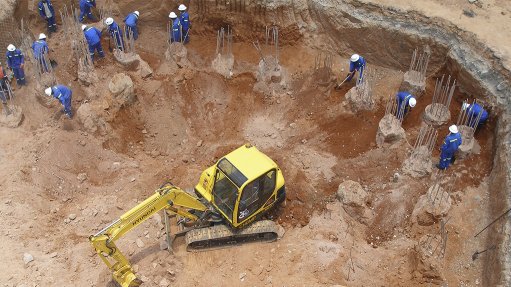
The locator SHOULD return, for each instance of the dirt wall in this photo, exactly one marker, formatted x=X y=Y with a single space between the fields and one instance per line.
x=499 y=234
x=7 y=24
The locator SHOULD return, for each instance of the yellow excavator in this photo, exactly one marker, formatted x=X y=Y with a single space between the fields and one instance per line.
x=225 y=209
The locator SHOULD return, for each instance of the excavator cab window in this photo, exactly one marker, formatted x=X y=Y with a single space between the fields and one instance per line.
x=225 y=192
x=255 y=195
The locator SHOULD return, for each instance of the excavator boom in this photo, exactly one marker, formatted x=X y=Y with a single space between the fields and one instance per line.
x=168 y=197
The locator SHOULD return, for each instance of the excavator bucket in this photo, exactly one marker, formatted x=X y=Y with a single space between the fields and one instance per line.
x=128 y=280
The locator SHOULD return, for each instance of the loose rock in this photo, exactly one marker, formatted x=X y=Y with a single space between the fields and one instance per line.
x=27 y=258
x=140 y=243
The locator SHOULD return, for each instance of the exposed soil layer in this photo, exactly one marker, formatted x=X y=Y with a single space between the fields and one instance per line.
x=72 y=182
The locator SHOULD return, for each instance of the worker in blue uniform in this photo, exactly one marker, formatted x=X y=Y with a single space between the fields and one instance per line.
x=450 y=146
x=357 y=64
x=184 y=18
x=40 y=49
x=64 y=95
x=473 y=111
x=175 y=29
x=16 y=62
x=405 y=101
x=131 y=24
x=115 y=33
x=93 y=37
x=47 y=11
x=86 y=10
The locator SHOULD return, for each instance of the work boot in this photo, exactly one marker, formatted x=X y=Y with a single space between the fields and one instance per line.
x=439 y=167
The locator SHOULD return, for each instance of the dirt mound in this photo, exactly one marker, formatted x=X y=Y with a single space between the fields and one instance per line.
x=86 y=74
x=11 y=116
x=432 y=206
x=354 y=198
x=92 y=122
x=419 y=164
x=411 y=85
x=427 y=266
x=358 y=102
x=177 y=54
x=436 y=115
x=223 y=64
x=122 y=89
x=271 y=77
x=389 y=131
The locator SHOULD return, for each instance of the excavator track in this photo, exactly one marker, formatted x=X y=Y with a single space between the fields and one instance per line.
x=222 y=236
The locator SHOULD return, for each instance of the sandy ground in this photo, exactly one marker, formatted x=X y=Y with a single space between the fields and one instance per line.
x=490 y=22
x=61 y=183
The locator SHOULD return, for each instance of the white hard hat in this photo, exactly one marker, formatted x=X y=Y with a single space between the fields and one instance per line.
x=182 y=7
x=137 y=13
x=84 y=27
x=172 y=15
x=42 y=36
x=11 y=48
x=412 y=102
x=109 y=21
x=453 y=129
x=355 y=57
x=465 y=106
x=47 y=91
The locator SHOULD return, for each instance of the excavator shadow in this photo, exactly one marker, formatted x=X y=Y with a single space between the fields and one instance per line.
x=138 y=256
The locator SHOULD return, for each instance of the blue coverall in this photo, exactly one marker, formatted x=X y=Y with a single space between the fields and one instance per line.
x=185 y=25
x=40 y=48
x=473 y=113
x=15 y=60
x=450 y=146
x=116 y=34
x=131 y=25
x=175 y=33
x=93 y=36
x=403 y=98
x=50 y=18
x=86 y=9
x=64 y=95
x=357 y=66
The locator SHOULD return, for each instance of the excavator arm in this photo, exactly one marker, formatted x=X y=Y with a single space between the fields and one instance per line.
x=168 y=197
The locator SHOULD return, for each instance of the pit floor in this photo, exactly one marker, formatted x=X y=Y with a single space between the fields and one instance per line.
x=311 y=133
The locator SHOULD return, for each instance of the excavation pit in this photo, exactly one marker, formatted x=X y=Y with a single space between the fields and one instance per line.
x=187 y=115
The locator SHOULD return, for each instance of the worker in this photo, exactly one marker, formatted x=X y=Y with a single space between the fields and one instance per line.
x=357 y=63
x=40 y=48
x=93 y=37
x=447 y=151
x=184 y=18
x=16 y=62
x=473 y=113
x=64 y=95
x=131 y=24
x=115 y=33
x=48 y=13
x=175 y=30
x=4 y=89
x=86 y=10
x=405 y=101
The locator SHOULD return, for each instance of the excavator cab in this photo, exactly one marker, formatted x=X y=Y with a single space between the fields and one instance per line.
x=242 y=185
